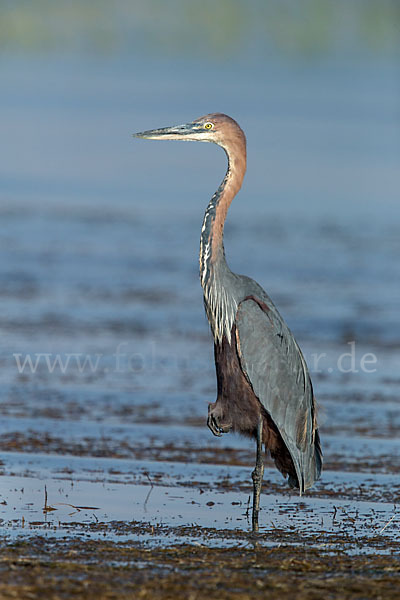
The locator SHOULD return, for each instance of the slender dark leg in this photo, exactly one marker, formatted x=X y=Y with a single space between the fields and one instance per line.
x=257 y=475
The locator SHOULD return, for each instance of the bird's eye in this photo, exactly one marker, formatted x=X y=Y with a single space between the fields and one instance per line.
x=208 y=125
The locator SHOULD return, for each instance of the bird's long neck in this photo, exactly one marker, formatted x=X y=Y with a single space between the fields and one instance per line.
x=212 y=254
x=214 y=272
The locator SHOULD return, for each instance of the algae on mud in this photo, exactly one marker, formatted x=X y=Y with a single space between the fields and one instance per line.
x=101 y=569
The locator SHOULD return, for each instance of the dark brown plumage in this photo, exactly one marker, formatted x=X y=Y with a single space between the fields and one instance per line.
x=238 y=409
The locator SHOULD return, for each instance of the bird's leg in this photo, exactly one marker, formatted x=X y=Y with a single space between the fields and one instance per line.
x=216 y=420
x=257 y=475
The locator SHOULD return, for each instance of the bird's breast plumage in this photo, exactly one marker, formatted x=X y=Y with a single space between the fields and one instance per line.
x=221 y=308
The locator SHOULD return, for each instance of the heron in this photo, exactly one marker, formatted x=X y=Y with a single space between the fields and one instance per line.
x=264 y=389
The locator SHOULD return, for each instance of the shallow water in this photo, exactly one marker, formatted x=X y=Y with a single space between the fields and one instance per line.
x=189 y=503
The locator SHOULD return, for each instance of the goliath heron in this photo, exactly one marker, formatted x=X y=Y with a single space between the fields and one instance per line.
x=264 y=387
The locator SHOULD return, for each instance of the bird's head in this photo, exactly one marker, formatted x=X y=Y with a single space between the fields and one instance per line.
x=215 y=127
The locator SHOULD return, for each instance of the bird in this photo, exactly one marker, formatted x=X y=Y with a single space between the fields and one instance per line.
x=264 y=389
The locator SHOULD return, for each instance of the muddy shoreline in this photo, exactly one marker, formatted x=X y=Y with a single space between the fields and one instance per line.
x=42 y=567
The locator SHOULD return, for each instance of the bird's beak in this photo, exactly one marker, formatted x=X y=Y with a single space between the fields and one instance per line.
x=179 y=132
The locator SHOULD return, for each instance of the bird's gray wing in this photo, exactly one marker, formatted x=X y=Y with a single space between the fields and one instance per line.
x=275 y=367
